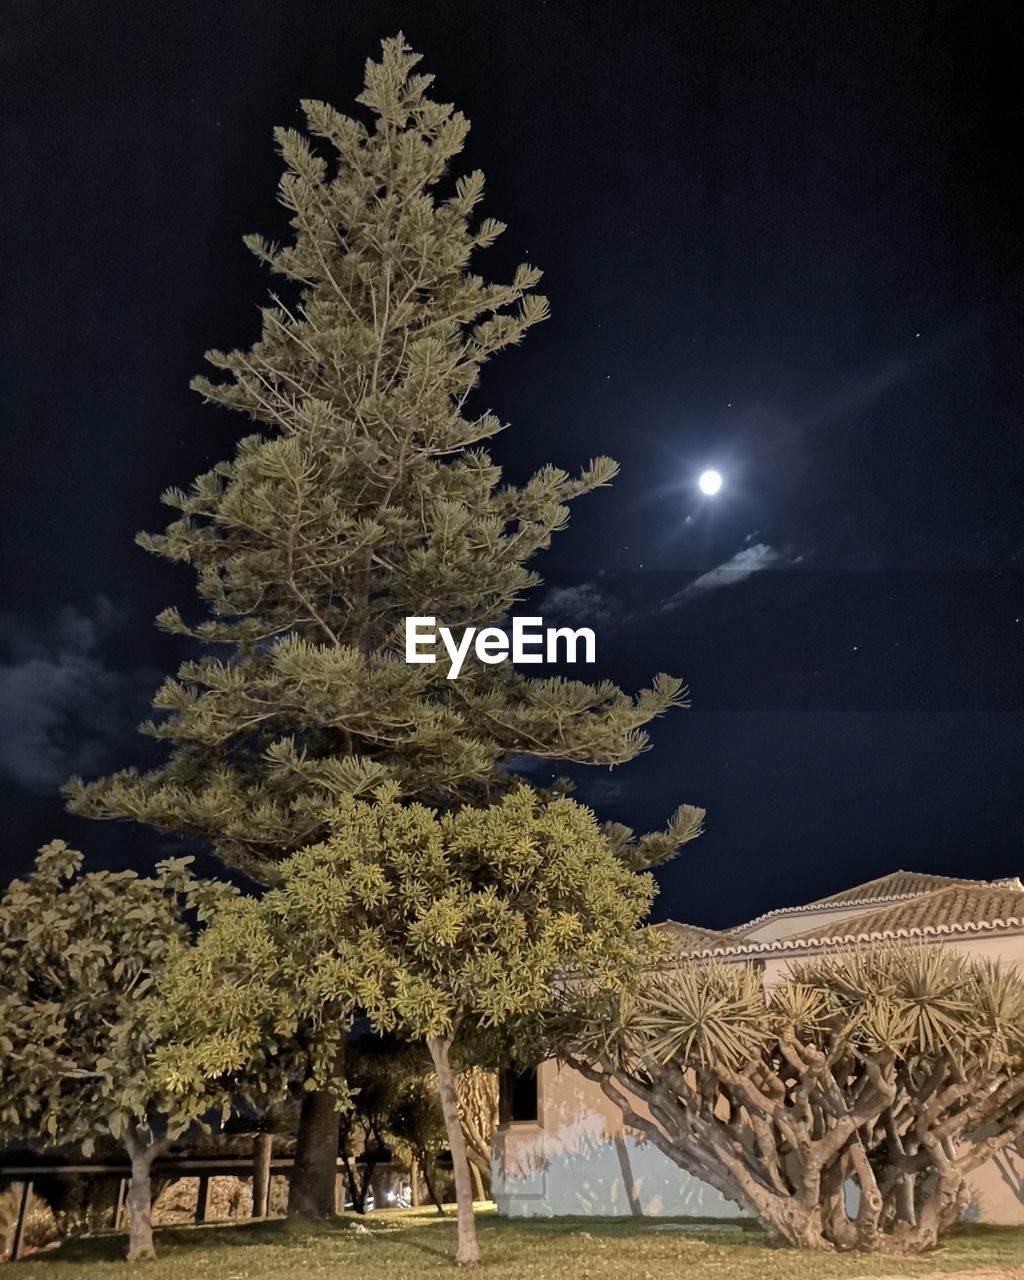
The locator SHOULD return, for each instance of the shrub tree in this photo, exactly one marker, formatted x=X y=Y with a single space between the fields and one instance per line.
x=78 y=957
x=438 y=926
x=899 y=1071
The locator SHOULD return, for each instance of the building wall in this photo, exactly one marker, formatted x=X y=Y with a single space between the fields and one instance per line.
x=579 y=1158
x=1007 y=949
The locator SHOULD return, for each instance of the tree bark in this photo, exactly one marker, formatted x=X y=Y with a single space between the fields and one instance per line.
x=478 y=1107
x=431 y=1181
x=942 y=1208
x=468 y=1251
x=311 y=1187
x=360 y=1183
x=261 y=1174
x=140 y=1196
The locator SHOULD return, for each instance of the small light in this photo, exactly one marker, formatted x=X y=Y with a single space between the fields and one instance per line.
x=710 y=482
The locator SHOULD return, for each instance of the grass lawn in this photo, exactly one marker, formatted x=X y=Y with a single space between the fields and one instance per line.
x=414 y=1244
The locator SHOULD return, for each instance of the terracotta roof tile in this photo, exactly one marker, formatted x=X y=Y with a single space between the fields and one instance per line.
x=886 y=889
x=895 y=884
x=692 y=937
x=969 y=902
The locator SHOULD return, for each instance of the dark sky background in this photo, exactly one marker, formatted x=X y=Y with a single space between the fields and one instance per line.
x=781 y=240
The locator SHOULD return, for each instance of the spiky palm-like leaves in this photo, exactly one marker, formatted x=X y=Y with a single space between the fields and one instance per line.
x=712 y=1015
x=901 y=1070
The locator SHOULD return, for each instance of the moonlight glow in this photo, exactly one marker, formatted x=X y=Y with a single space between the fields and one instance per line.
x=710 y=482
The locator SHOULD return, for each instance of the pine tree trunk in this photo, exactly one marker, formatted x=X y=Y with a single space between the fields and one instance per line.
x=468 y=1252
x=140 y=1197
x=311 y=1187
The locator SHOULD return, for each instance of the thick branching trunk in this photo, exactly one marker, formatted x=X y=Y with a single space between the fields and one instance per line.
x=311 y=1189
x=948 y=1198
x=478 y=1107
x=815 y=1106
x=140 y=1195
x=785 y=1156
x=468 y=1252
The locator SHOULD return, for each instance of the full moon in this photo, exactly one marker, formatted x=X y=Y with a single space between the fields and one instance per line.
x=710 y=482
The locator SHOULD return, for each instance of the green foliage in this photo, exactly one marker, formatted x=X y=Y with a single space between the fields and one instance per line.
x=225 y=996
x=434 y=925
x=656 y=847
x=460 y=916
x=362 y=497
x=901 y=1070
x=78 y=958
x=423 y=921
x=715 y=1016
x=922 y=1001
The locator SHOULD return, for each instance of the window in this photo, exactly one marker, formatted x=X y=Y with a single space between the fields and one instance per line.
x=517 y=1095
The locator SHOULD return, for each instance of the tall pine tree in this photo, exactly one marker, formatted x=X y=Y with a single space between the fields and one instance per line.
x=363 y=497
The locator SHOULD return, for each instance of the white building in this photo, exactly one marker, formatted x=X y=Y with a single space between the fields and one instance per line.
x=562 y=1147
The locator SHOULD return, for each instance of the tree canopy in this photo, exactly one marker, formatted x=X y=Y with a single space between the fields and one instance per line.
x=79 y=955
x=442 y=926
x=363 y=496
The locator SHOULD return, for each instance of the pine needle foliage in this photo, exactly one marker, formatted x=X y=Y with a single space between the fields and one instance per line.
x=363 y=494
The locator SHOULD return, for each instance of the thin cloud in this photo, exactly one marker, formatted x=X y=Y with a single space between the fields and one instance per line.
x=585 y=605
x=63 y=708
x=749 y=560
x=861 y=392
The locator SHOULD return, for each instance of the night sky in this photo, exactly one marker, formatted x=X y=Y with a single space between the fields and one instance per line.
x=784 y=241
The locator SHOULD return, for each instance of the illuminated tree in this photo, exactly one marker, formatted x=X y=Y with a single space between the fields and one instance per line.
x=78 y=956
x=441 y=927
x=361 y=496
